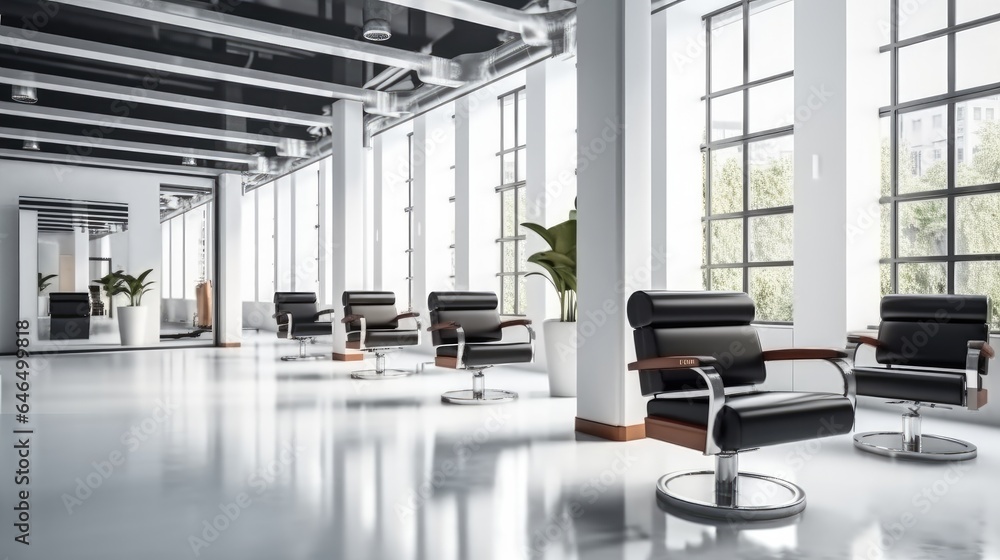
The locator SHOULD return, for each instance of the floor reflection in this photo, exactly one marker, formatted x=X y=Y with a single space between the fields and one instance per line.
x=234 y=454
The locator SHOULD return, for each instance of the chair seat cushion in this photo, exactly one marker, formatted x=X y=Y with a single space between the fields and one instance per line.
x=911 y=385
x=386 y=338
x=765 y=418
x=307 y=329
x=476 y=355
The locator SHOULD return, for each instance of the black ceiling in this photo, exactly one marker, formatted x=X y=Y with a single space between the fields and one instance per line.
x=412 y=30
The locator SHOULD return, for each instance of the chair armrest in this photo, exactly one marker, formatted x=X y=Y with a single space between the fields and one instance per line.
x=450 y=325
x=860 y=339
x=803 y=354
x=281 y=314
x=407 y=315
x=984 y=348
x=323 y=312
x=351 y=319
x=672 y=362
x=515 y=323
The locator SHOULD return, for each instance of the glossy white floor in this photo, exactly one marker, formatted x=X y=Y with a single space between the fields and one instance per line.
x=136 y=455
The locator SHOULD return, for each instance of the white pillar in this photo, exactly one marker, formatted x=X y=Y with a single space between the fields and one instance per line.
x=614 y=207
x=27 y=274
x=377 y=212
x=228 y=282
x=836 y=175
x=551 y=173
x=345 y=180
x=477 y=226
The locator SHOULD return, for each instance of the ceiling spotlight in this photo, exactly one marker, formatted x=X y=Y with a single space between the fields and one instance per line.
x=31 y=145
x=24 y=94
x=376 y=15
x=189 y=161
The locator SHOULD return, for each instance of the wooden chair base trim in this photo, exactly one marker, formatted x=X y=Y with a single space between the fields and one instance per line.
x=609 y=432
x=354 y=345
x=229 y=344
x=687 y=435
x=348 y=357
x=446 y=362
x=981 y=397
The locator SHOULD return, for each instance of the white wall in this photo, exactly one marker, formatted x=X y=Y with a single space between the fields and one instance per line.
x=139 y=190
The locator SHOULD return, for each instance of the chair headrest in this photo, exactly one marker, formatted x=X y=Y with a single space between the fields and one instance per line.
x=369 y=298
x=69 y=296
x=458 y=301
x=662 y=309
x=294 y=297
x=937 y=308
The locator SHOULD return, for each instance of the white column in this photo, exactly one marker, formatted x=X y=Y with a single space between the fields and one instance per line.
x=229 y=291
x=345 y=180
x=476 y=174
x=836 y=175
x=551 y=173
x=614 y=203
x=377 y=212
x=27 y=274
x=326 y=252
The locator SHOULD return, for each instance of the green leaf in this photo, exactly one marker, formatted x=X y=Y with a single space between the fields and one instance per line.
x=542 y=232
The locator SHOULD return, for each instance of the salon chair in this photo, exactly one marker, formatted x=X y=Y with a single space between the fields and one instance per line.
x=373 y=325
x=299 y=319
x=931 y=351
x=70 y=316
x=468 y=334
x=700 y=359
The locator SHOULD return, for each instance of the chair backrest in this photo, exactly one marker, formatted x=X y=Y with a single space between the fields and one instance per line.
x=713 y=324
x=931 y=330
x=378 y=309
x=69 y=304
x=302 y=306
x=475 y=311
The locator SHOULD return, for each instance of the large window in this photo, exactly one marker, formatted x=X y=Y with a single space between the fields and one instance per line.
x=941 y=191
x=513 y=163
x=748 y=153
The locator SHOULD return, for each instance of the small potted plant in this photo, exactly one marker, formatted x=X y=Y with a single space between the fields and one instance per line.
x=132 y=319
x=43 y=300
x=559 y=264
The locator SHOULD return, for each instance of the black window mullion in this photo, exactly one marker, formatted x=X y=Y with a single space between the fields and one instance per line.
x=708 y=151
x=746 y=146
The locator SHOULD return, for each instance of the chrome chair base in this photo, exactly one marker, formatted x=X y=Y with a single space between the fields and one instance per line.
x=929 y=448
x=306 y=358
x=487 y=396
x=384 y=374
x=759 y=497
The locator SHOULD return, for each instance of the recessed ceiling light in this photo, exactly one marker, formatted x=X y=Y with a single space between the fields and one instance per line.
x=24 y=94
x=376 y=16
x=31 y=145
x=189 y=161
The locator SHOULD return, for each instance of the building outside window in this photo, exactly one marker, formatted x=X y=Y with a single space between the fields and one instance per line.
x=748 y=154
x=511 y=190
x=939 y=231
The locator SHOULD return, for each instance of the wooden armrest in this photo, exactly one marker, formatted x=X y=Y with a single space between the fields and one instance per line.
x=863 y=339
x=408 y=315
x=450 y=325
x=280 y=314
x=803 y=354
x=324 y=312
x=351 y=318
x=672 y=362
x=515 y=323
x=984 y=348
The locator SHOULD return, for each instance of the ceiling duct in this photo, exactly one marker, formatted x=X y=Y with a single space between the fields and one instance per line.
x=24 y=94
x=376 y=16
x=293 y=148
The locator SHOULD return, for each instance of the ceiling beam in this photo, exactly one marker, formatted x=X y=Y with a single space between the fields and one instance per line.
x=475 y=11
x=112 y=122
x=123 y=145
x=105 y=53
x=431 y=69
x=110 y=163
x=159 y=98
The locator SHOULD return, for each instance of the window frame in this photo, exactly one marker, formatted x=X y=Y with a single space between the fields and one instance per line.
x=409 y=220
x=517 y=186
x=745 y=140
x=956 y=155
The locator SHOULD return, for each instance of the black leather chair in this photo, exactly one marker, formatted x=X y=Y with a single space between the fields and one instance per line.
x=70 y=316
x=468 y=334
x=701 y=360
x=931 y=351
x=298 y=319
x=373 y=325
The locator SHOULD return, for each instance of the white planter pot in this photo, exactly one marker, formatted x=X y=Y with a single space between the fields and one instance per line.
x=560 y=355
x=132 y=325
x=43 y=306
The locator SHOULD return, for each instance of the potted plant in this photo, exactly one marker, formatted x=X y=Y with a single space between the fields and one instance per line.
x=559 y=265
x=43 y=300
x=132 y=319
x=111 y=286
